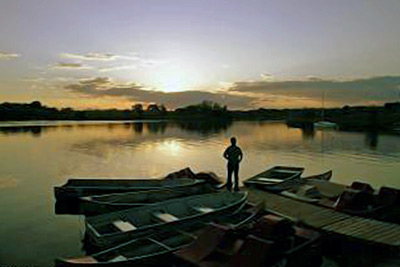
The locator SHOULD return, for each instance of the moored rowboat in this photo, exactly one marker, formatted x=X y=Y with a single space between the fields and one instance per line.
x=99 y=204
x=306 y=191
x=277 y=178
x=270 y=241
x=155 y=249
x=80 y=187
x=134 y=252
x=326 y=176
x=111 y=228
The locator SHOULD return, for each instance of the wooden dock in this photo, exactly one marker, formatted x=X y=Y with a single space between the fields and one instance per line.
x=330 y=221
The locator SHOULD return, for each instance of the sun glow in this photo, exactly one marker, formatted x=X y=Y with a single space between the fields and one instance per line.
x=172 y=83
x=175 y=79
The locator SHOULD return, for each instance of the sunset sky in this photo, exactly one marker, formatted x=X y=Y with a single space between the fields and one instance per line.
x=242 y=53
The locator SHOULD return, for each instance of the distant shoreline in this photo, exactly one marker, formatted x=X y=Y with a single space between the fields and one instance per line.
x=375 y=118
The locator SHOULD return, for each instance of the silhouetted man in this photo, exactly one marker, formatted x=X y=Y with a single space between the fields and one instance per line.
x=234 y=156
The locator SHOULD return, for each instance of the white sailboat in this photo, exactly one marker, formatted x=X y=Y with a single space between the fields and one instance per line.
x=324 y=124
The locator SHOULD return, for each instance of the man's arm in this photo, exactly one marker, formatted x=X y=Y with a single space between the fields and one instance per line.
x=240 y=155
x=225 y=155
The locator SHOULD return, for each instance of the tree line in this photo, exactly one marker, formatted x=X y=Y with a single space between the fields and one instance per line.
x=384 y=117
x=37 y=111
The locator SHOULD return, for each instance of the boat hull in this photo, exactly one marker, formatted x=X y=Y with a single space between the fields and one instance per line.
x=276 y=179
x=145 y=251
x=269 y=242
x=178 y=213
x=76 y=188
x=95 y=205
x=325 y=125
x=326 y=176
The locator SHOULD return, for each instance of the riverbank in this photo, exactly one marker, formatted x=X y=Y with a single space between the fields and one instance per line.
x=372 y=119
x=350 y=119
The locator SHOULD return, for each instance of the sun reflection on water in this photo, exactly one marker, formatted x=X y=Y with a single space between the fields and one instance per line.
x=172 y=147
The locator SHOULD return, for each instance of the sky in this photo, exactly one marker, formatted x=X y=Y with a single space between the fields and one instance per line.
x=242 y=53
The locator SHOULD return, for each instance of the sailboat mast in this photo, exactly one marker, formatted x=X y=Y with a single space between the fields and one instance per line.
x=323 y=105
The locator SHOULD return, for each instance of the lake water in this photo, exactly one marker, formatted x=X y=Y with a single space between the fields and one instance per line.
x=36 y=157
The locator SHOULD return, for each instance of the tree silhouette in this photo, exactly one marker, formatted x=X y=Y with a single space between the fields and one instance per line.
x=138 y=108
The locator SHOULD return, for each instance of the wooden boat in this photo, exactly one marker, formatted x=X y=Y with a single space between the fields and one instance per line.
x=307 y=191
x=108 y=229
x=99 y=204
x=268 y=242
x=80 y=187
x=358 y=199
x=277 y=178
x=155 y=249
x=390 y=199
x=326 y=176
x=299 y=197
x=132 y=253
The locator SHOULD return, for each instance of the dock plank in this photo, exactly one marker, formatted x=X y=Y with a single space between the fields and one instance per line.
x=368 y=230
x=330 y=221
x=309 y=214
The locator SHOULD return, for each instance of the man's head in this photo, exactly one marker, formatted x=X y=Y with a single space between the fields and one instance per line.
x=233 y=141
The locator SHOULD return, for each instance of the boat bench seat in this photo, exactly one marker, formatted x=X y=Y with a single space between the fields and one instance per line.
x=118 y=258
x=165 y=217
x=204 y=209
x=287 y=171
x=124 y=226
x=204 y=245
x=269 y=180
x=82 y=260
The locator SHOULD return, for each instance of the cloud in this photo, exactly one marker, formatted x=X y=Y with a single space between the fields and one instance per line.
x=255 y=94
x=90 y=56
x=97 y=82
x=104 y=87
x=98 y=56
x=148 y=63
x=266 y=77
x=373 y=90
x=70 y=66
x=7 y=55
x=117 y=68
x=121 y=62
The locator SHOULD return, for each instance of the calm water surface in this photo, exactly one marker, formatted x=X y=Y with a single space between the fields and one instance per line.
x=33 y=159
